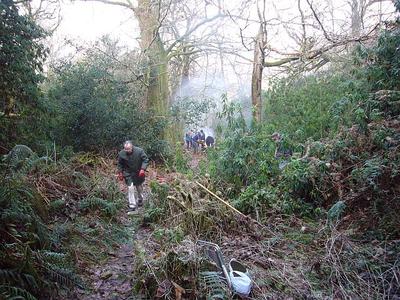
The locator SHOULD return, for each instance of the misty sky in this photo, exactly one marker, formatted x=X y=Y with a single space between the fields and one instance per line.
x=85 y=22
x=88 y=21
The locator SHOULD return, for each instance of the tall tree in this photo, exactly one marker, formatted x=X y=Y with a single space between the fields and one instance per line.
x=149 y=18
x=258 y=67
x=157 y=52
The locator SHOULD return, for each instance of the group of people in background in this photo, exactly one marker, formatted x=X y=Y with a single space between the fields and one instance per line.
x=197 y=140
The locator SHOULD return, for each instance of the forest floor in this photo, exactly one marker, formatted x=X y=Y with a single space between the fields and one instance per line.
x=288 y=257
x=113 y=277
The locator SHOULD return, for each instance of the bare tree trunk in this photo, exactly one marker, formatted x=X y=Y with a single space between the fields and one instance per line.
x=256 y=78
x=357 y=7
x=185 y=69
x=358 y=11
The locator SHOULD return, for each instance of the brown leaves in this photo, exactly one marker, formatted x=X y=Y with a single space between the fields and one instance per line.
x=165 y=288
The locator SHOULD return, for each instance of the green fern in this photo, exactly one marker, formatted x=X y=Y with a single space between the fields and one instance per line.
x=9 y=276
x=32 y=162
x=15 y=215
x=17 y=154
x=42 y=232
x=57 y=204
x=14 y=293
x=59 y=232
x=15 y=277
x=18 y=194
x=63 y=276
x=336 y=210
x=29 y=264
x=22 y=159
x=109 y=208
x=52 y=257
x=54 y=265
x=21 y=213
x=214 y=285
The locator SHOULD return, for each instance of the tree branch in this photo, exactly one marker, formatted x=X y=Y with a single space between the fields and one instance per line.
x=190 y=31
x=320 y=23
x=279 y=62
x=316 y=53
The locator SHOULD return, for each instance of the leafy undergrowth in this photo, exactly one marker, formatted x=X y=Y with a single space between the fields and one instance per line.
x=177 y=215
x=324 y=226
x=287 y=256
x=58 y=219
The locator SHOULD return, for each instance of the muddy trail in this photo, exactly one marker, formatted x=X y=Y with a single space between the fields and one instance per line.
x=113 y=277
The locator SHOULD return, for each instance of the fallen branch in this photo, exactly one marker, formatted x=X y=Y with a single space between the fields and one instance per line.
x=220 y=199
x=232 y=208
x=179 y=203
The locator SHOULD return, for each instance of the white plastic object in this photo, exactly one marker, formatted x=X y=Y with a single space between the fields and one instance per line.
x=131 y=196
x=239 y=277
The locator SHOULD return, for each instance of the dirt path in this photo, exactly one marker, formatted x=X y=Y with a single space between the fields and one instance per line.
x=113 y=278
x=195 y=158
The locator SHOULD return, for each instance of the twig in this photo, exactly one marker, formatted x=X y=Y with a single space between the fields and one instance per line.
x=151 y=270
x=220 y=199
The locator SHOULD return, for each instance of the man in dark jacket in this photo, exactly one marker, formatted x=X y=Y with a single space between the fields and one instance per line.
x=202 y=135
x=195 y=139
x=132 y=164
x=210 y=141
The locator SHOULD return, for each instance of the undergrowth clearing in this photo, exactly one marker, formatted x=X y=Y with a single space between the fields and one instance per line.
x=287 y=257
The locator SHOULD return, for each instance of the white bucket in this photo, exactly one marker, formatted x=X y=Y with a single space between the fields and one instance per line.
x=240 y=279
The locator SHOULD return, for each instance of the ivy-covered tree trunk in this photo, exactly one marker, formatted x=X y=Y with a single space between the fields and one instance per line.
x=157 y=96
x=256 y=78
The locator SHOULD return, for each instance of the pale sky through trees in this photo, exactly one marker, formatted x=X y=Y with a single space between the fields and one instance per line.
x=85 y=22
x=88 y=21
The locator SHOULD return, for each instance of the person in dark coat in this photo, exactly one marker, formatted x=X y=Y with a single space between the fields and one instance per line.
x=202 y=135
x=188 y=139
x=202 y=139
x=132 y=164
x=195 y=139
x=210 y=141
